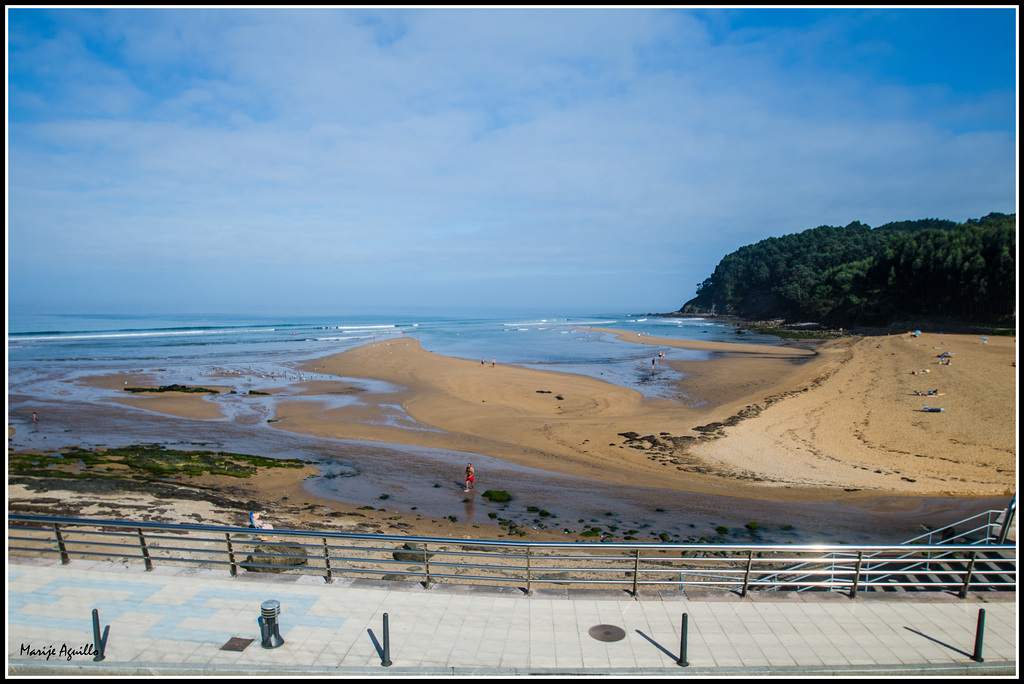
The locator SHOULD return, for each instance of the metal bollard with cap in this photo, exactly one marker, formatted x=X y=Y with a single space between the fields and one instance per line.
x=269 y=628
x=682 y=661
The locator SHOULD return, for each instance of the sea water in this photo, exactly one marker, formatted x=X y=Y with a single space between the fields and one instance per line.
x=563 y=343
x=47 y=353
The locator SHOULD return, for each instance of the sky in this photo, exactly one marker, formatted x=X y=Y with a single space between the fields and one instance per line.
x=587 y=160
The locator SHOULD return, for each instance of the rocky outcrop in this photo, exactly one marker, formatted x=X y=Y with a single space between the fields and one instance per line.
x=274 y=557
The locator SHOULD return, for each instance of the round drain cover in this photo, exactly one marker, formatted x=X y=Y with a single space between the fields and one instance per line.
x=607 y=632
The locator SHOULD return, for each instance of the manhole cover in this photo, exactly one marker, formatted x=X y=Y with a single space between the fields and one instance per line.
x=236 y=644
x=606 y=632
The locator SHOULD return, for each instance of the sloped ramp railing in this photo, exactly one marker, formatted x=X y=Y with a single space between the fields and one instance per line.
x=985 y=567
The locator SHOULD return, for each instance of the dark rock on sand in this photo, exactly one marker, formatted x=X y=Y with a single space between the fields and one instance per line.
x=412 y=553
x=280 y=558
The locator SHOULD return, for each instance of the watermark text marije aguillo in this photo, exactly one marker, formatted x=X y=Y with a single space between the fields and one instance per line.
x=52 y=651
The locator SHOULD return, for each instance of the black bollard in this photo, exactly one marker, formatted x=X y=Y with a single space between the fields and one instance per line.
x=269 y=628
x=97 y=642
x=682 y=662
x=979 y=638
x=385 y=659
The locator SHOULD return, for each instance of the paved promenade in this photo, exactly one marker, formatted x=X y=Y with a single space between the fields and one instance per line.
x=178 y=621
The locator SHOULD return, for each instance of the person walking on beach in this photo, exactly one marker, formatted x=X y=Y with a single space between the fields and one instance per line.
x=470 y=476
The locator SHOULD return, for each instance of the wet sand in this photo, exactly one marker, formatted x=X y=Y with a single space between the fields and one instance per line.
x=770 y=423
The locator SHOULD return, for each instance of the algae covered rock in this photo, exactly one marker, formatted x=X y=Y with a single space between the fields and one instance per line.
x=274 y=557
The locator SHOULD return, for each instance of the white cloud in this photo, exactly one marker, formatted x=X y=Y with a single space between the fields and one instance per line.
x=498 y=144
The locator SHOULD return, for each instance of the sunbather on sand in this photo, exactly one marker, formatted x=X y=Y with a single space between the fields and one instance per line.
x=256 y=521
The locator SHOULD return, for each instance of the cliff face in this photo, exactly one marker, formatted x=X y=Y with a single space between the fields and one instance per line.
x=757 y=305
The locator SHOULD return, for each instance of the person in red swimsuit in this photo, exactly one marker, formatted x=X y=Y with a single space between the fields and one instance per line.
x=470 y=475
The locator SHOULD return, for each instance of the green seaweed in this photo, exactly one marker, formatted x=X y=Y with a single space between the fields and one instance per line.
x=141 y=462
x=173 y=388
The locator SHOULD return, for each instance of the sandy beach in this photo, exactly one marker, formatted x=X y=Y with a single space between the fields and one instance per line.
x=774 y=422
x=801 y=422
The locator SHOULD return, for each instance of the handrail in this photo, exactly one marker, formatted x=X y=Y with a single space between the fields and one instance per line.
x=1010 y=514
x=134 y=524
x=987 y=539
x=633 y=566
x=986 y=526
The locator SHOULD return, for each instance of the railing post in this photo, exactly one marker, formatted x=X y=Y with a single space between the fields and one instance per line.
x=527 y=570
x=856 y=574
x=636 y=571
x=968 y=575
x=746 y=575
x=426 y=565
x=64 y=557
x=327 y=563
x=231 y=555
x=145 y=550
x=1011 y=510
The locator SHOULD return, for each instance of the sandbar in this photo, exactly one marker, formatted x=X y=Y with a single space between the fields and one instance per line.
x=778 y=423
x=791 y=422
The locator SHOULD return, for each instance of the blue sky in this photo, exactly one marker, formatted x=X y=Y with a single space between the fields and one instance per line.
x=597 y=160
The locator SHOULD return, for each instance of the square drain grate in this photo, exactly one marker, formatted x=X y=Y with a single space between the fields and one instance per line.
x=236 y=644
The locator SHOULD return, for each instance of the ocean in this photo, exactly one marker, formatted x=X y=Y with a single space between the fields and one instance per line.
x=47 y=353
x=268 y=343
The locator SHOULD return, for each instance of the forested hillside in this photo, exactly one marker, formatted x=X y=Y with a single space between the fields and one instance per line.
x=858 y=275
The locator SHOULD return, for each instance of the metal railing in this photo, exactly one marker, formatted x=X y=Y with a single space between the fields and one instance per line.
x=630 y=566
x=989 y=528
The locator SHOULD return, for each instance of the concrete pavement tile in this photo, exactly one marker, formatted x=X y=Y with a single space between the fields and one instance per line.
x=542 y=658
x=777 y=655
x=831 y=656
x=573 y=660
x=803 y=655
x=594 y=659
x=731 y=659
x=758 y=627
x=623 y=660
